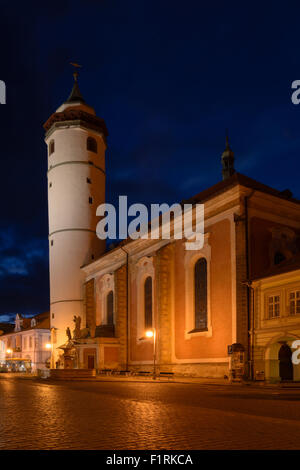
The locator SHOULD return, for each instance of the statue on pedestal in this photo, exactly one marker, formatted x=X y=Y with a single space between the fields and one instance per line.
x=68 y=333
x=77 y=321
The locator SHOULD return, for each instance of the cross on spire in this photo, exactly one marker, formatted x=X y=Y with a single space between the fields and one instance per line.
x=76 y=72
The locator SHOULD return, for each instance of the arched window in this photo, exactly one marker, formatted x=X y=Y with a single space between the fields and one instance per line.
x=110 y=308
x=91 y=144
x=148 y=302
x=51 y=147
x=200 y=279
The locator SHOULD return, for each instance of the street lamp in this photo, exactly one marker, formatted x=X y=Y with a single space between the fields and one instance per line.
x=9 y=351
x=151 y=333
x=48 y=346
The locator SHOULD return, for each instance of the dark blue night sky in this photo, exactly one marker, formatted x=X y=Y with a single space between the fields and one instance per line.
x=168 y=77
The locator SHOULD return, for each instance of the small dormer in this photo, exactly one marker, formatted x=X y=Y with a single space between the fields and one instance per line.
x=33 y=323
x=283 y=245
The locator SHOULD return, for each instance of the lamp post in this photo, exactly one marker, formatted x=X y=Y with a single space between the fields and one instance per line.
x=9 y=351
x=151 y=333
x=48 y=346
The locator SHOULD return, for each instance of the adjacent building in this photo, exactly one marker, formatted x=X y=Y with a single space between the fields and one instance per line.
x=25 y=346
x=276 y=320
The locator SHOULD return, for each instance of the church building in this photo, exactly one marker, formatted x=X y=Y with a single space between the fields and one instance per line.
x=201 y=305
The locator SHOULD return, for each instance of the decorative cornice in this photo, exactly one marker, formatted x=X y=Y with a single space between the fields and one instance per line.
x=109 y=262
x=275 y=280
x=72 y=116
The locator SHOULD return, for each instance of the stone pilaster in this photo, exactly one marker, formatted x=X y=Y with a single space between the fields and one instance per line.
x=121 y=313
x=164 y=289
x=90 y=306
x=241 y=289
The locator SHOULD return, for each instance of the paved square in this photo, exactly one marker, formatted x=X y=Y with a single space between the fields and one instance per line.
x=85 y=415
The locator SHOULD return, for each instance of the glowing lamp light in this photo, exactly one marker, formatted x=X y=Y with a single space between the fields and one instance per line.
x=9 y=351
x=149 y=334
x=48 y=345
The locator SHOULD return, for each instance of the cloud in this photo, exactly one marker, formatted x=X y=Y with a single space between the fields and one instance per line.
x=24 y=275
x=25 y=255
x=7 y=317
x=12 y=265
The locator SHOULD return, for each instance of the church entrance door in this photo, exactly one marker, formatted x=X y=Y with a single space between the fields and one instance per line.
x=91 y=362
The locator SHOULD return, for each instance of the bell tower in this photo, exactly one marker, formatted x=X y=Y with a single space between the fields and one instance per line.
x=76 y=141
x=227 y=161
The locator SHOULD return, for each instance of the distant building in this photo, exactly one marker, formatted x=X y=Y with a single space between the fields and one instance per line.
x=25 y=346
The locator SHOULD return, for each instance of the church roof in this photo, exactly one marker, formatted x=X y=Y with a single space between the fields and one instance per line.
x=219 y=188
x=6 y=328
x=243 y=180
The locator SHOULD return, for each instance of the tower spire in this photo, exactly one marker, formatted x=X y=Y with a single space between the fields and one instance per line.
x=75 y=93
x=227 y=160
x=227 y=140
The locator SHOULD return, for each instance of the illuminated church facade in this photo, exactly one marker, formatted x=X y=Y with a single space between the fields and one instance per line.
x=200 y=303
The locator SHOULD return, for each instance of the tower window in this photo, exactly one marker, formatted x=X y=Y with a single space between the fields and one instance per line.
x=91 y=144
x=201 y=294
x=148 y=302
x=51 y=242
x=89 y=181
x=90 y=200
x=51 y=147
x=50 y=185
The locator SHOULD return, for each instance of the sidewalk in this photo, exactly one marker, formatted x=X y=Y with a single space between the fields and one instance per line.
x=173 y=380
x=198 y=381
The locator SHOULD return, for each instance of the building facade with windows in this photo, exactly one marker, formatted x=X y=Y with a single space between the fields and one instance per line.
x=198 y=302
x=276 y=322
x=26 y=345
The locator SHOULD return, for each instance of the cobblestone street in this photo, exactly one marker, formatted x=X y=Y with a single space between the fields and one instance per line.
x=85 y=415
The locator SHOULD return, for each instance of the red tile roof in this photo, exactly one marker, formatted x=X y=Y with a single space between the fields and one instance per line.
x=243 y=180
